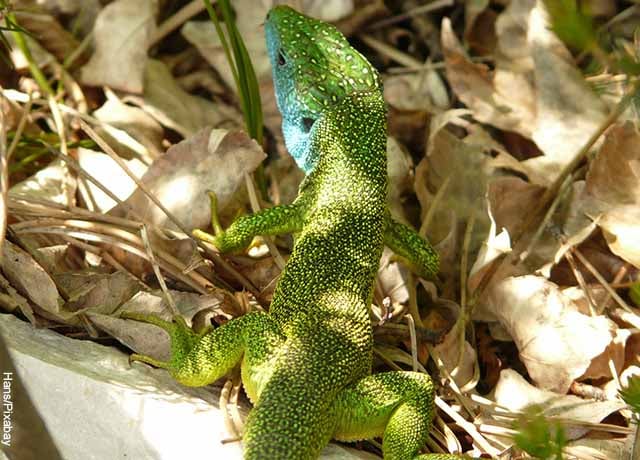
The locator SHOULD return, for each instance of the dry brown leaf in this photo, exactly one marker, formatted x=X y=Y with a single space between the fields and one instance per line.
x=568 y=112
x=614 y=355
x=30 y=279
x=510 y=199
x=173 y=107
x=148 y=339
x=49 y=33
x=84 y=12
x=495 y=246
x=466 y=169
x=53 y=183
x=55 y=259
x=400 y=172
x=536 y=91
x=507 y=103
x=458 y=357
x=610 y=196
x=621 y=227
x=556 y=343
x=614 y=173
x=392 y=278
x=140 y=126
x=212 y=159
x=514 y=392
x=107 y=172
x=122 y=32
x=423 y=91
x=97 y=292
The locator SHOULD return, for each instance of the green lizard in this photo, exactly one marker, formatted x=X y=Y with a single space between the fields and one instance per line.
x=306 y=365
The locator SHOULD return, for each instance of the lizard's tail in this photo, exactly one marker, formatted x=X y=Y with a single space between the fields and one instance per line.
x=290 y=421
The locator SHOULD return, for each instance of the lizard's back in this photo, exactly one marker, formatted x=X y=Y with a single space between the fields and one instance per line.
x=323 y=296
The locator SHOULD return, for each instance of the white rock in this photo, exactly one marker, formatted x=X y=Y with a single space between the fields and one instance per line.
x=98 y=407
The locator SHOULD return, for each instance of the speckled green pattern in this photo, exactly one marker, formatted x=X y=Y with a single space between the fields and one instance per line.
x=306 y=364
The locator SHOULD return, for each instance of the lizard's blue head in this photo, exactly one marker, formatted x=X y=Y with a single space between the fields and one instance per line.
x=314 y=68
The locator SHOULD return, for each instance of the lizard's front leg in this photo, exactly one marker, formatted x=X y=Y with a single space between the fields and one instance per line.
x=412 y=248
x=271 y=221
x=200 y=359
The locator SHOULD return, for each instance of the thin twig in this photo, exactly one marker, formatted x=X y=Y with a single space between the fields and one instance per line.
x=180 y=17
x=156 y=270
x=619 y=300
x=423 y=9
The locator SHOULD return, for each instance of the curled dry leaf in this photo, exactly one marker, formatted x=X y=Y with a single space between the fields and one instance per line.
x=568 y=112
x=53 y=183
x=50 y=34
x=510 y=199
x=495 y=246
x=614 y=355
x=84 y=12
x=465 y=169
x=514 y=392
x=121 y=33
x=556 y=343
x=613 y=190
x=494 y=99
x=212 y=159
x=621 y=227
x=392 y=278
x=32 y=281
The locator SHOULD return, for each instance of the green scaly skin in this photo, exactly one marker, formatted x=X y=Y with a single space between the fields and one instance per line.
x=306 y=365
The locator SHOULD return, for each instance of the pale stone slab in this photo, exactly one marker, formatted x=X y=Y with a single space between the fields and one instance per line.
x=98 y=407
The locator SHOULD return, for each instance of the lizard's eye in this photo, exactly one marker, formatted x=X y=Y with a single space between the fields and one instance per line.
x=307 y=124
x=281 y=59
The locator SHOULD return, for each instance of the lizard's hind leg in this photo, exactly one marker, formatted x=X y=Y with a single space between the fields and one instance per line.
x=200 y=359
x=395 y=405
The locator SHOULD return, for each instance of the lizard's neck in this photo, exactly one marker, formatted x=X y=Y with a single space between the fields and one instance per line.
x=348 y=148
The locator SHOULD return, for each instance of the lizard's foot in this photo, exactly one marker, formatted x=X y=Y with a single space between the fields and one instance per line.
x=218 y=232
x=224 y=240
x=183 y=339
